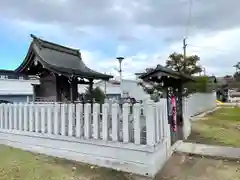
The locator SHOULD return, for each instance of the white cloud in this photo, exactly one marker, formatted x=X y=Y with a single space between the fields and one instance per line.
x=144 y=32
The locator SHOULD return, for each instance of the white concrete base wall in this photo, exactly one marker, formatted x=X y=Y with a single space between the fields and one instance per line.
x=196 y=104
x=138 y=159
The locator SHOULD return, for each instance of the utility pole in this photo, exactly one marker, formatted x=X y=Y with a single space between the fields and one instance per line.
x=120 y=59
x=184 y=54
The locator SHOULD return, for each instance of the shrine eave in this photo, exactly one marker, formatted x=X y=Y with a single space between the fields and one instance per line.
x=58 y=59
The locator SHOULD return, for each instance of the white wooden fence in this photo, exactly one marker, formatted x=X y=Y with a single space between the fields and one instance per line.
x=76 y=120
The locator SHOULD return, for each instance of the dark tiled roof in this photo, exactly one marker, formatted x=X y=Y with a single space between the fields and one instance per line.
x=167 y=71
x=60 y=59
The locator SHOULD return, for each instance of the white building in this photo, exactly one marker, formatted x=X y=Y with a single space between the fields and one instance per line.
x=15 y=88
x=129 y=88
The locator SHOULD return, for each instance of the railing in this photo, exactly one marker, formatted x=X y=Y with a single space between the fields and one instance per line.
x=143 y=125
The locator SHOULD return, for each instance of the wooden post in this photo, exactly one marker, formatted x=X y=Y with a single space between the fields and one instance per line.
x=79 y=120
x=49 y=119
x=20 y=119
x=126 y=122
x=87 y=121
x=115 y=122
x=137 y=125
x=31 y=118
x=105 y=110
x=70 y=119
x=96 y=111
x=63 y=120
x=37 y=119
x=25 y=117
x=15 y=109
x=150 y=123
x=56 y=119
x=43 y=116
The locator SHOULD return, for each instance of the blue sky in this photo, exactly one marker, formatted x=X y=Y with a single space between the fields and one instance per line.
x=144 y=32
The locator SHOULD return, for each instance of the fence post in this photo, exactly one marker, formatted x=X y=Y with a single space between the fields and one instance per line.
x=36 y=114
x=25 y=117
x=56 y=119
x=20 y=114
x=10 y=116
x=5 y=110
x=159 y=106
x=15 y=116
x=87 y=120
x=49 y=119
x=31 y=118
x=96 y=111
x=105 y=109
x=43 y=116
x=1 y=116
x=150 y=123
x=63 y=118
x=115 y=122
x=70 y=119
x=79 y=120
x=125 y=122
x=137 y=125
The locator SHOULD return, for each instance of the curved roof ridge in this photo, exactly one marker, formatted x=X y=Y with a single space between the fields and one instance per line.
x=50 y=45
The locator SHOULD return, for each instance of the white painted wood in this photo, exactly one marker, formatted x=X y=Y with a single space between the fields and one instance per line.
x=43 y=118
x=150 y=123
x=25 y=117
x=137 y=127
x=49 y=118
x=158 y=120
x=37 y=119
x=161 y=110
x=70 y=119
x=115 y=122
x=126 y=122
x=57 y=121
x=31 y=118
x=20 y=119
x=79 y=120
x=96 y=111
x=105 y=131
x=15 y=116
x=63 y=119
x=10 y=116
x=87 y=121
x=6 y=117
x=1 y=116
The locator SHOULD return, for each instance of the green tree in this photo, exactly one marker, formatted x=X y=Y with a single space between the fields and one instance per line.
x=189 y=65
x=97 y=95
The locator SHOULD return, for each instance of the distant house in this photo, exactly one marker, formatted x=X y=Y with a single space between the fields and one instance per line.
x=15 y=87
x=129 y=88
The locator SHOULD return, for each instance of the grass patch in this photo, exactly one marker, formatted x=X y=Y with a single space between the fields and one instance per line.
x=219 y=128
x=18 y=165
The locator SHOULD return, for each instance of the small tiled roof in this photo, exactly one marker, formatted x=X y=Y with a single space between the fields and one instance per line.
x=59 y=59
x=167 y=71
